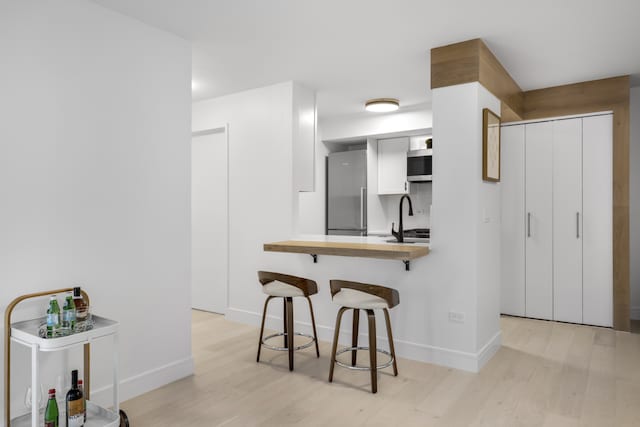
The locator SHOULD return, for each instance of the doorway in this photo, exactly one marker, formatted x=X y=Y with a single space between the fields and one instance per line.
x=209 y=220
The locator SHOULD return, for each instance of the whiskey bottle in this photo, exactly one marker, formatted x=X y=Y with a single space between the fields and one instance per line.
x=74 y=403
x=51 y=412
x=82 y=309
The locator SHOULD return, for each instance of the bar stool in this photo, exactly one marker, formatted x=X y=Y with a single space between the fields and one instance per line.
x=277 y=285
x=361 y=296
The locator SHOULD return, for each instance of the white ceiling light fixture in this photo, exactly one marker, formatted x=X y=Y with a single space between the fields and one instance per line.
x=382 y=105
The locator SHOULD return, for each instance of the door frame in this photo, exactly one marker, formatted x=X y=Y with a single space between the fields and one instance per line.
x=223 y=128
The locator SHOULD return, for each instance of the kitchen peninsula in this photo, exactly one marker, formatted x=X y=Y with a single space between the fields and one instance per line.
x=351 y=246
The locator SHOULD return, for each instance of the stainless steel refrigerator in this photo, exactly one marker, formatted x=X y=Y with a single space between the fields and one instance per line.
x=347 y=193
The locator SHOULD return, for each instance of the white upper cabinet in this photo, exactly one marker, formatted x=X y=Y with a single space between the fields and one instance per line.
x=392 y=166
x=304 y=138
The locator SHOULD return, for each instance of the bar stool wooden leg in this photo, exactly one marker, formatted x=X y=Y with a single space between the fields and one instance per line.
x=336 y=333
x=372 y=351
x=354 y=336
x=284 y=321
x=391 y=346
x=264 y=316
x=290 y=341
x=313 y=323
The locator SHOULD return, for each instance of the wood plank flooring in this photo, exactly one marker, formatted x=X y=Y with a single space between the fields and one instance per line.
x=546 y=374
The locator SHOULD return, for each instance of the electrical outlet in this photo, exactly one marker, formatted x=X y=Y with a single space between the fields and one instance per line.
x=457 y=317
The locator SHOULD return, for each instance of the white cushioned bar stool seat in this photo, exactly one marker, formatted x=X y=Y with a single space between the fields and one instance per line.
x=358 y=299
x=279 y=289
x=278 y=285
x=363 y=296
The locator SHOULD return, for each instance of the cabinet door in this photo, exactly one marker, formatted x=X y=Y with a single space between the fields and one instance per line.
x=597 y=220
x=392 y=166
x=567 y=218
x=538 y=220
x=512 y=230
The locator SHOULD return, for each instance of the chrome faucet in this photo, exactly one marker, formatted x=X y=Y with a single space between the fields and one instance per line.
x=399 y=235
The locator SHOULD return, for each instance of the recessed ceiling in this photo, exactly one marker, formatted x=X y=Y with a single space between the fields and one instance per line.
x=354 y=50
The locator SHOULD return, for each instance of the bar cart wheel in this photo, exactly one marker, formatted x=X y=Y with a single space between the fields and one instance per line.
x=124 y=420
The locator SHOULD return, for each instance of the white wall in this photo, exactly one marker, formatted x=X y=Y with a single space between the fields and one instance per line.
x=261 y=194
x=366 y=124
x=634 y=199
x=461 y=202
x=94 y=180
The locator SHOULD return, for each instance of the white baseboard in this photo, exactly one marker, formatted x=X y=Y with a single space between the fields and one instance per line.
x=635 y=313
x=145 y=382
x=466 y=361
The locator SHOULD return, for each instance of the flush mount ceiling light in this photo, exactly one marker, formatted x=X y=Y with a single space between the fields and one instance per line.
x=382 y=105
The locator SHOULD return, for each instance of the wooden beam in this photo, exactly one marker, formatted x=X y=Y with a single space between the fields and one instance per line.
x=472 y=61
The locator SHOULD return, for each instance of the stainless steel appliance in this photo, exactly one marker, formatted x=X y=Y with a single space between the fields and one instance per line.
x=347 y=193
x=419 y=165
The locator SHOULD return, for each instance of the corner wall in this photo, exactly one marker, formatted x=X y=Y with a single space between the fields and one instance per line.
x=94 y=182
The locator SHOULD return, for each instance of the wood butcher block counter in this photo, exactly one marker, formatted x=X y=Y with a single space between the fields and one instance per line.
x=351 y=246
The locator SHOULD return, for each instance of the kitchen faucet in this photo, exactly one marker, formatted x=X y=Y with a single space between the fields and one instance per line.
x=399 y=235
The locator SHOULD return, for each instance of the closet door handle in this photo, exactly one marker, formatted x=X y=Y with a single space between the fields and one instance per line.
x=528 y=224
x=577 y=225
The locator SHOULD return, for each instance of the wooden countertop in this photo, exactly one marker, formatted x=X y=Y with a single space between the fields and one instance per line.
x=396 y=251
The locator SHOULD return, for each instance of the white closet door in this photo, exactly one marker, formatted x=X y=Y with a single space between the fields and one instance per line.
x=597 y=221
x=538 y=220
x=512 y=297
x=567 y=218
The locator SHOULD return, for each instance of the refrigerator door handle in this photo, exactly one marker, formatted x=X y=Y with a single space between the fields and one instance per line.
x=363 y=207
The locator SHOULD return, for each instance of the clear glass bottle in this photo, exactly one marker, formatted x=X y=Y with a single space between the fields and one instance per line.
x=53 y=317
x=68 y=315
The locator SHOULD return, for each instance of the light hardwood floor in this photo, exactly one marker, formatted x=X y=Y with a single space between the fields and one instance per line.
x=546 y=374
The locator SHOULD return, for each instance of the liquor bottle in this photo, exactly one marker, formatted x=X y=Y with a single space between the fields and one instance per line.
x=75 y=410
x=82 y=309
x=84 y=399
x=68 y=315
x=51 y=413
x=53 y=317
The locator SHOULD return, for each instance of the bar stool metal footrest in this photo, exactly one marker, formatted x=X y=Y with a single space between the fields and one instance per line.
x=360 y=367
x=284 y=334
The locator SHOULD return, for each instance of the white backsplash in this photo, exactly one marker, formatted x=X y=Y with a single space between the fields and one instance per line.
x=420 y=194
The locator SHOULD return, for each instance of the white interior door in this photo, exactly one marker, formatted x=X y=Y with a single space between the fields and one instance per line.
x=512 y=231
x=538 y=220
x=597 y=222
x=567 y=219
x=209 y=221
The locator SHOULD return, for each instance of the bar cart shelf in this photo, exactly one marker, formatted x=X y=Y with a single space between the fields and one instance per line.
x=26 y=333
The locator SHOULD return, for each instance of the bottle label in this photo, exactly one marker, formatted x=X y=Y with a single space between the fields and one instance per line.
x=50 y=424
x=53 y=319
x=75 y=417
x=69 y=317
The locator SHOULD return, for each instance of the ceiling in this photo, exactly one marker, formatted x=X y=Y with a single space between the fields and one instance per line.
x=353 y=50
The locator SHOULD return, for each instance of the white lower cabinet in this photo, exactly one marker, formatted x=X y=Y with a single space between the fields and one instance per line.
x=556 y=220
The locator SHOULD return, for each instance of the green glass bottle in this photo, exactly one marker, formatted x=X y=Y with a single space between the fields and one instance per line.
x=53 y=317
x=68 y=315
x=51 y=418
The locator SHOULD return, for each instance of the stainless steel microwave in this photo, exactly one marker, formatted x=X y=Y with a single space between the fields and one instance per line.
x=419 y=164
